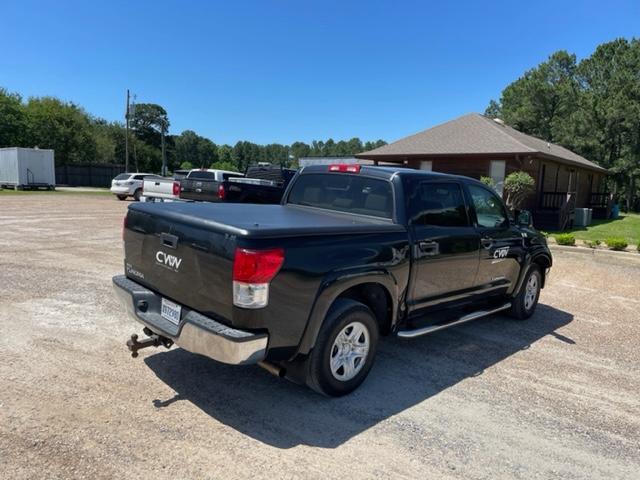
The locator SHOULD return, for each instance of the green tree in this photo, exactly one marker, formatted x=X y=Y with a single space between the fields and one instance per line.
x=540 y=100
x=225 y=154
x=62 y=126
x=299 y=149
x=224 y=166
x=12 y=120
x=592 y=108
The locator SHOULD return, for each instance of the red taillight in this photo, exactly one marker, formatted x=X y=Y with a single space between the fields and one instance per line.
x=345 y=168
x=176 y=189
x=257 y=266
x=221 y=192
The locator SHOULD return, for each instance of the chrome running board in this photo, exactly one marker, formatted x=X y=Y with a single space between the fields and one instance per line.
x=467 y=318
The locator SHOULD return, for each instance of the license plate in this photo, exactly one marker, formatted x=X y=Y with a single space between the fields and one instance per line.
x=170 y=311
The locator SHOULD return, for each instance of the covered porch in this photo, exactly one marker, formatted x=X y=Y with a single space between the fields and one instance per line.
x=562 y=189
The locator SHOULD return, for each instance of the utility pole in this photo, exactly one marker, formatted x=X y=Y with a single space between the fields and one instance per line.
x=126 y=136
x=164 y=153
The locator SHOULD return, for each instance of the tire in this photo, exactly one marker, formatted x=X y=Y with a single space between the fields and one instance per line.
x=345 y=373
x=524 y=304
x=121 y=197
x=137 y=194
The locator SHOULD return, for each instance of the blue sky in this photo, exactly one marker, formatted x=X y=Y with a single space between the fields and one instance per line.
x=280 y=71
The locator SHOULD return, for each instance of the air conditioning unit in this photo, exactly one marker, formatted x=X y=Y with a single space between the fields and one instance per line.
x=582 y=217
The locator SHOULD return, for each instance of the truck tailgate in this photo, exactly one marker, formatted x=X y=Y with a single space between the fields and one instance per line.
x=187 y=264
x=199 y=189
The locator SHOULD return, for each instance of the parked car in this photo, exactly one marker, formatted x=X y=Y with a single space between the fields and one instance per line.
x=306 y=288
x=128 y=185
x=260 y=184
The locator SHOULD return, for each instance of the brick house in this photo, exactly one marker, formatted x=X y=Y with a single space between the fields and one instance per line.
x=474 y=145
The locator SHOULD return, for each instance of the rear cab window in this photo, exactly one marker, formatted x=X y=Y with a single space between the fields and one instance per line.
x=202 y=174
x=340 y=192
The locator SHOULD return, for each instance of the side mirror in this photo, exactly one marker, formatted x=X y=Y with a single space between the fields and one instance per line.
x=524 y=218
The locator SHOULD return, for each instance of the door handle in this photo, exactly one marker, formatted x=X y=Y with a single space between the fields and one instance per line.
x=429 y=246
x=486 y=243
x=169 y=240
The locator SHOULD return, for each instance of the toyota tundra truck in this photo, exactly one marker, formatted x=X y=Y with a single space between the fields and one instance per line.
x=307 y=288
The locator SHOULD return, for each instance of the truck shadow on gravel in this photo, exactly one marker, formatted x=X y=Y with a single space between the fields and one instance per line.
x=406 y=372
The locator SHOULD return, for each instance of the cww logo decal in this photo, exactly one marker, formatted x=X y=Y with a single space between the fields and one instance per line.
x=167 y=260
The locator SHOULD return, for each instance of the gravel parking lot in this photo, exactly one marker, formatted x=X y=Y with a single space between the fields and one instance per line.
x=554 y=397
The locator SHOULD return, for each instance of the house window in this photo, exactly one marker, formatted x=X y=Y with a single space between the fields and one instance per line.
x=426 y=165
x=497 y=174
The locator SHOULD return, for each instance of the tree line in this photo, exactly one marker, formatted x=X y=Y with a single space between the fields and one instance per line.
x=79 y=137
x=591 y=107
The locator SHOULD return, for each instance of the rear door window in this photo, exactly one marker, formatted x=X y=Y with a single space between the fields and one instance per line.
x=344 y=193
x=438 y=204
x=123 y=176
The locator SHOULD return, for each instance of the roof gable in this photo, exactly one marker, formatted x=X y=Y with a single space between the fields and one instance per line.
x=475 y=134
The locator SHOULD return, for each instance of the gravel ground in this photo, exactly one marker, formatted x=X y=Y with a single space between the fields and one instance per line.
x=554 y=397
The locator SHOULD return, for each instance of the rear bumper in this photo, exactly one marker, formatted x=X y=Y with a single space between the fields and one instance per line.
x=196 y=333
x=118 y=190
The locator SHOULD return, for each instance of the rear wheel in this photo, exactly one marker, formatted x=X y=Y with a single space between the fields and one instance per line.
x=137 y=194
x=121 y=197
x=525 y=303
x=345 y=349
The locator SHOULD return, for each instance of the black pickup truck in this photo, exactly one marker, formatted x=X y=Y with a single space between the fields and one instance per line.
x=307 y=287
x=259 y=184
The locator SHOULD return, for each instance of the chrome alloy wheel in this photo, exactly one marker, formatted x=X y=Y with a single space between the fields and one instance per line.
x=349 y=351
x=531 y=291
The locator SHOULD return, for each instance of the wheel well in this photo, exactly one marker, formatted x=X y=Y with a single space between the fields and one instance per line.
x=377 y=298
x=544 y=262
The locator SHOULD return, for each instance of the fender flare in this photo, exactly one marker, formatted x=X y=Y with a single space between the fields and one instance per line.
x=530 y=260
x=331 y=288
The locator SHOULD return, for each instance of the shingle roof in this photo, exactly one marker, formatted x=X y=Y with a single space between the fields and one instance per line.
x=475 y=134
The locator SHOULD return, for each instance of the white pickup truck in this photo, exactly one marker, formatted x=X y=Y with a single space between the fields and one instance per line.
x=160 y=189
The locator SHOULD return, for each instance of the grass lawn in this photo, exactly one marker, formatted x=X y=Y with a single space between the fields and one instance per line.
x=627 y=227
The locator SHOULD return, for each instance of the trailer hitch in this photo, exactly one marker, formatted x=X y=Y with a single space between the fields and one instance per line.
x=152 y=340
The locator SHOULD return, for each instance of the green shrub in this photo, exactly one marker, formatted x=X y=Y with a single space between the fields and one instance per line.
x=592 y=243
x=616 y=243
x=488 y=181
x=565 y=239
x=544 y=234
x=518 y=186
x=186 y=166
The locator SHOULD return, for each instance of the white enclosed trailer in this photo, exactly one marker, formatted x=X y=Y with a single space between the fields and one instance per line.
x=27 y=168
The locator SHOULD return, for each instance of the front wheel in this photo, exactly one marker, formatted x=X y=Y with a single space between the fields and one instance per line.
x=121 y=197
x=345 y=349
x=525 y=303
x=137 y=194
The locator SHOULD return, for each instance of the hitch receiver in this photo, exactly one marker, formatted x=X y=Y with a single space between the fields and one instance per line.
x=153 y=340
